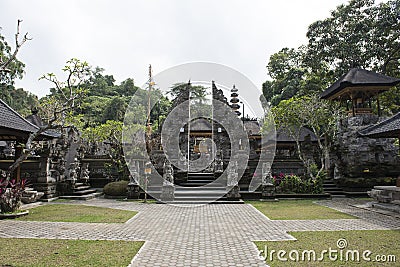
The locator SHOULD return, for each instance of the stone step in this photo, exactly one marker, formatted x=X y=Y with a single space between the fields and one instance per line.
x=333 y=189
x=201 y=178
x=200 y=181
x=199 y=202
x=194 y=199
x=82 y=187
x=196 y=194
x=84 y=192
x=199 y=184
x=329 y=185
x=200 y=174
x=82 y=197
x=208 y=187
x=336 y=192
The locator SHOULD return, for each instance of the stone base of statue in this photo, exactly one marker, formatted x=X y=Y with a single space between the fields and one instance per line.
x=29 y=195
x=268 y=192
x=133 y=191
x=386 y=194
x=48 y=189
x=168 y=193
x=234 y=194
x=65 y=187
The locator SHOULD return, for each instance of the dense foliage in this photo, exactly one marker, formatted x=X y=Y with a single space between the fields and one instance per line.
x=357 y=34
x=18 y=99
x=290 y=183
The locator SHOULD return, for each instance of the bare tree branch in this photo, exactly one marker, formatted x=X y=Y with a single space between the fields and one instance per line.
x=18 y=45
x=60 y=107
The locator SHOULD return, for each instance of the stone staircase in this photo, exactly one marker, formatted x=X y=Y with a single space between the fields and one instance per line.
x=82 y=192
x=202 y=188
x=330 y=187
x=30 y=195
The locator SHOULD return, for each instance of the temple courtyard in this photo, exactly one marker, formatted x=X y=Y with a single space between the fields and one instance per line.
x=210 y=235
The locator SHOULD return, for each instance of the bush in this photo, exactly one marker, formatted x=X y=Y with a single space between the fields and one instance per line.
x=10 y=194
x=116 y=188
x=294 y=184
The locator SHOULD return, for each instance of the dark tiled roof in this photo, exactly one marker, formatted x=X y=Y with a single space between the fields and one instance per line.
x=252 y=127
x=387 y=128
x=11 y=120
x=283 y=136
x=35 y=120
x=359 y=77
x=200 y=125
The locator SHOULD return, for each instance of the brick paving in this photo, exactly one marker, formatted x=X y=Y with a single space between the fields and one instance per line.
x=209 y=235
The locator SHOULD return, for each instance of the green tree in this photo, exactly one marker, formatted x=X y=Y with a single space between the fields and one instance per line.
x=359 y=34
x=291 y=77
x=101 y=85
x=196 y=91
x=320 y=116
x=285 y=68
x=20 y=100
x=127 y=88
x=115 y=109
x=110 y=133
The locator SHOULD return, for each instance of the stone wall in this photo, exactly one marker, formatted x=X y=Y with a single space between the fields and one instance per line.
x=361 y=162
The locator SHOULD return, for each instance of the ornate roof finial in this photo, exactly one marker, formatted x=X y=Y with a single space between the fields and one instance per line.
x=235 y=100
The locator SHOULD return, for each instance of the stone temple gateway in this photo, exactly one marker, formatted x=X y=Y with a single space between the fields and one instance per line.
x=207 y=152
x=360 y=158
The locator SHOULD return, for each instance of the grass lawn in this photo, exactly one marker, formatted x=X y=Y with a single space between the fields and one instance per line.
x=77 y=213
x=297 y=210
x=56 y=252
x=381 y=243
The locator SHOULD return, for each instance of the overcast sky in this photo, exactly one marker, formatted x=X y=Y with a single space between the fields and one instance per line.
x=124 y=37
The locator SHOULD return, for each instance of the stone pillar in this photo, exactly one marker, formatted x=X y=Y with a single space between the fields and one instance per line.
x=45 y=182
x=133 y=186
x=232 y=183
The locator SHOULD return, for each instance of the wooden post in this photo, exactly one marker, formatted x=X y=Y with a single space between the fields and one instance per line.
x=379 y=106
x=18 y=152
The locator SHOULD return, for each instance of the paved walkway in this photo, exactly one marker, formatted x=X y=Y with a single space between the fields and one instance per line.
x=211 y=235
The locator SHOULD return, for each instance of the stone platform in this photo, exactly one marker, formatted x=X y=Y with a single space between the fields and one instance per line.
x=386 y=194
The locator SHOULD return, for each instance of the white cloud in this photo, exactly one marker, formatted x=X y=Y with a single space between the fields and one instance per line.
x=125 y=36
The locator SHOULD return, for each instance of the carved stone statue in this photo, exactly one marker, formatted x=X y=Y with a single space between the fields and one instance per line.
x=168 y=188
x=85 y=174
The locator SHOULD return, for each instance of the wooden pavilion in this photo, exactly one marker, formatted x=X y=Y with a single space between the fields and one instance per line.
x=13 y=127
x=358 y=88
